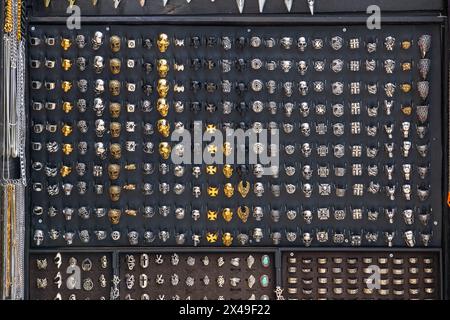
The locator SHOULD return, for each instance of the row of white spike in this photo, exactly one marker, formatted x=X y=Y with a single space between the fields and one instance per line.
x=240 y=4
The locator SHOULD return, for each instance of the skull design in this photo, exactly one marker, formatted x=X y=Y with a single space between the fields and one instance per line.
x=98 y=64
x=305 y=129
x=113 y=171
x=100 y=127
x=114 y=87
x=307 y=239
x=163 y=42
x=82 y=85
x=99 y=107
x=258 y=213
x=302 y=44
x=80 y=40
x=163 y=68
x=115 y=128
x=115 y=65
x=114 y=215
x=258 y=170
x=163 y=88
x=114 y=43
x=302 y=67
x=99 y=86
x=114 y=109
x=133 y=237
x=308 y=216
x=114 y=193
x=306 y=149
x=258 y=189
x=257 y=234
x=303 y=88
x=307 y=172
x=195 y=214
x=307 y=190
x=196 y=191
x=116 y=151
x=38 y=237
x=97 y=40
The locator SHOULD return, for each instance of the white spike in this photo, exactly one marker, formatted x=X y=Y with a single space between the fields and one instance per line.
x=47 y=3
x=288 y=4
x=94 y=2
x=261 y=5
x=165 y=2
x=311 y=6
x=142 y=3
x=240 y=4
x=116 y=3
x=188 y=1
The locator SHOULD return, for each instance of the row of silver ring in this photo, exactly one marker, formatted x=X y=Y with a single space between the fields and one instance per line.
x=257 y=106
x=307 y=237
x=258 y=213
x=227 y=42
x=337 y=88
x=304 y=128
x=307 y=171
x=306 y=149
x=99 y=64
x=390 y=190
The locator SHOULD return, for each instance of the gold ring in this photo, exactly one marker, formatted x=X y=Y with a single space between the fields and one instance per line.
x=67 y=107
x=243 y=189
x=398 y=261
x=211 y=237
x=337 y=260
x=243 y=214
x=228 y=190
x=322 y=270
x=227 y=239
x=212 y=215
x=398 y=281
x=413 y=281
x=338 y=280
x=227 y=214
x=213 y=191
x=322 y=260
x=292 y=280
x=292 y=290
x=227 y=171
x=65 y=171
x=352 y=280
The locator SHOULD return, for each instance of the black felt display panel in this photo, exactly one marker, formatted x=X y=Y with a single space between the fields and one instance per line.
x=349 y=227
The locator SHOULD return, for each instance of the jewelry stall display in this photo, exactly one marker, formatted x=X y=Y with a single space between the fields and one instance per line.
x=196 y=276
x=352 y=111
x=231 y=150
